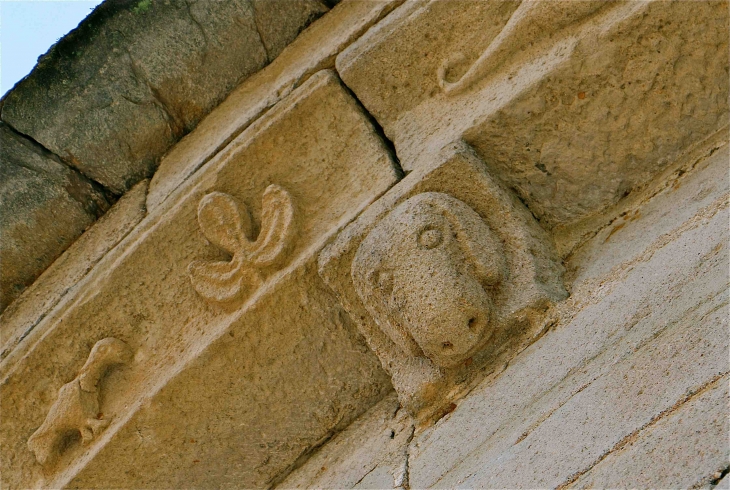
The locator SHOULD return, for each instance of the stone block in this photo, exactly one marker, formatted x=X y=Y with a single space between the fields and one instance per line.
x=45 y=207
x=278 y=23
x=64 y=274
x=616 y=406
x=312 y=51
x=220 y=393
x=572 y=117
x=678 y=451
x=371 y=453
x=696 y=185
x=121 y=89
x=449 y=276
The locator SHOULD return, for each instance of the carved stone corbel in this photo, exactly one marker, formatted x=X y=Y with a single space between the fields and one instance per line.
x=449 y=275
x=77 y=407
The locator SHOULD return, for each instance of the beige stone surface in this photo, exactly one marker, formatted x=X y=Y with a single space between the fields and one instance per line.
x=393 y=67
x=287 y=374
x=201 y=360
x=539 y=300
x=720 y=480
x=45 y=207
x=628 y=389
x=588 y=114
x=60 y=279
x=312 y=51
x=370 y=453
x=77 y=408
x=678 y=451
x=112 y=96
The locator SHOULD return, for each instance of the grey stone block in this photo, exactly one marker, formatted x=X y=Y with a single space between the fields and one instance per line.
x=45 y=207
x=112 y=96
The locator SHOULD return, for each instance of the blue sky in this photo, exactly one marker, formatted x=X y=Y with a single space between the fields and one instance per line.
x=29 y=27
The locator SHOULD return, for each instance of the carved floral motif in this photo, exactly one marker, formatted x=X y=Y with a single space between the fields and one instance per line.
x=226 y=227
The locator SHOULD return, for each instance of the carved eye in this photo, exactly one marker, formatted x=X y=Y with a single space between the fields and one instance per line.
x=430 y=238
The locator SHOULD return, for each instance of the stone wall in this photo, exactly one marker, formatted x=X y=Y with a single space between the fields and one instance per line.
x=111 y=97
x=629 y=388
x=431 y=244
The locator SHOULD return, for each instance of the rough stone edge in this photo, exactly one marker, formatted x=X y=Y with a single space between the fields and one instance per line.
x=65 y=273
x=571 y=237
x=335 y=30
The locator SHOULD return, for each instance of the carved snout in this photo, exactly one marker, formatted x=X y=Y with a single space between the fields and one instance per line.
x=449 y=317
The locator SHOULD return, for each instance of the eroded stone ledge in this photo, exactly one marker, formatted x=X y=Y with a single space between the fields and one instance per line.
x=45 y=207
x=111 y=97
x=276 y=335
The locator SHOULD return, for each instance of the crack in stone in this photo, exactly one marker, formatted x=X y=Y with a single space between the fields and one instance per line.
x=175 y=123
x=626 y=440
x=44 y=152
x=405 y=483
x=258 y=31
x=378 y=128
x=718 y=476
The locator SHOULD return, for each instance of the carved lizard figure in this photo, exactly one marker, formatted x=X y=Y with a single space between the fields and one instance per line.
x=77 y=405
x=532 y=21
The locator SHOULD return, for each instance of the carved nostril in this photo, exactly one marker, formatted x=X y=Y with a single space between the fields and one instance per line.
x=472 y=323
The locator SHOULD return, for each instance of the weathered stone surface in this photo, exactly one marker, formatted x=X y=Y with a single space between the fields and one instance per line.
x=77 y=408
x=591 y=112
x=45 y=207
x=278 y=23
x=628 y=234
x=253 y=384
x=312 y=51
x=371 y=453
x=607 y=120
x=235 y=416
x=63 y=275
x=615 y=364
x=629 y=389
x=678 y=451
x=135 y=76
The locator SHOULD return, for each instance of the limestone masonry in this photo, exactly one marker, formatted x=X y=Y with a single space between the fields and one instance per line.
x=369 y=244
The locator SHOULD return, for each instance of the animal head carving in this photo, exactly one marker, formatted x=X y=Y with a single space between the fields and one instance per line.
x=427 y=274
x=231 y=230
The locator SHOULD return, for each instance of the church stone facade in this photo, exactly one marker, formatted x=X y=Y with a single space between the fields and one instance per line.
x=369 y=244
